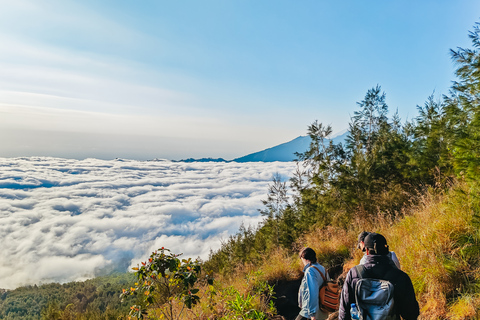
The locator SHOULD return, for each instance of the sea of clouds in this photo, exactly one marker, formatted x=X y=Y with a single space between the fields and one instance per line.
x=68 y=220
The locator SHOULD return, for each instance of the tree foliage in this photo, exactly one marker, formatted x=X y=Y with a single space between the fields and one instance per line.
x=92 y=299
x=463 y=108
x=163 y=281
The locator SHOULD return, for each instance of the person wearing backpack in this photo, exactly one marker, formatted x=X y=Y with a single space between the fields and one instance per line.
x=308 y=299
x=378 y=280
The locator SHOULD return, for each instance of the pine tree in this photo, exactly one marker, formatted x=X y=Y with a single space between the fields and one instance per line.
x=377 y=151
x=316 y=178
x=275 y=204
x=463 y=108
x=430 y=157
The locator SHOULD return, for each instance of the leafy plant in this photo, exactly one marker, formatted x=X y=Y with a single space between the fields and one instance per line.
x=255 y=304
x=163 y=281
x=242 y=307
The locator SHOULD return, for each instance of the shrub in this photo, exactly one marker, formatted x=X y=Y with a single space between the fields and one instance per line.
x=165 y=280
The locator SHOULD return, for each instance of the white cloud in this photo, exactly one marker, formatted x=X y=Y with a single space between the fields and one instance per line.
x=64 y=220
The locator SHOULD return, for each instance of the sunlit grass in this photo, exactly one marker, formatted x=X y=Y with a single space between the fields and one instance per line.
x=466 y=307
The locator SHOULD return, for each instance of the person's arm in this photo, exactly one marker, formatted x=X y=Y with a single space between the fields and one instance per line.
x=408 y=305
x=344 y=309
x=394 y=258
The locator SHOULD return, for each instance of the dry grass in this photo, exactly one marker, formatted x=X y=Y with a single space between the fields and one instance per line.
x=280 y=265
x=464 y=308
x=431 y=244
x=244 y=281
x=332 y=245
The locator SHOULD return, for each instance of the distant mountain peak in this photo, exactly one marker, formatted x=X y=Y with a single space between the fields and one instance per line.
x=342 y=133
x=285 y=152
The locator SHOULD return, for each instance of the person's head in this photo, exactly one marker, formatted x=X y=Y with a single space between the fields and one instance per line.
x=361 y=239
x=376 y=244
x=308 y=255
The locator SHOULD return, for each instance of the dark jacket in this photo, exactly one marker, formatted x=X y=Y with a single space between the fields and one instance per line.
x=379 y=267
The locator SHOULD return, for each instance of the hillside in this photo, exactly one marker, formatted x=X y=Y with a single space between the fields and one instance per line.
x=91 y=299
x=437 y=244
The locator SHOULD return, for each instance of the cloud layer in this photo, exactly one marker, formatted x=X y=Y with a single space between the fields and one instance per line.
x=64 y=220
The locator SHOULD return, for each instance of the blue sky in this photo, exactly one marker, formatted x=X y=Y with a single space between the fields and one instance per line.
x=178 y=79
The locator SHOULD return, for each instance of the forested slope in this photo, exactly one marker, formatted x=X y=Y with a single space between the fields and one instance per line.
x=92 y=299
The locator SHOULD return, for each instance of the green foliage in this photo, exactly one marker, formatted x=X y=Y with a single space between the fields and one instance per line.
x=275 y=205
x=239 y=248
x=164 y=280
x=430 y=159
x=249 y=306
x=92 y=299
x=463 y=109
x=241 y=307
x=373 y=177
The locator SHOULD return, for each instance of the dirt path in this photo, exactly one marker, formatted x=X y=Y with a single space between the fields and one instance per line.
x=287 y=295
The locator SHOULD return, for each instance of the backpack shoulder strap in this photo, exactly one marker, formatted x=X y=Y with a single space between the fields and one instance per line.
x=324 y=279
x=361 y=271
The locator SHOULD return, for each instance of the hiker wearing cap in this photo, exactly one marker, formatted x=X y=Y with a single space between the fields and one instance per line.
x=310 y=286
x=378 y=266
x=361 y=246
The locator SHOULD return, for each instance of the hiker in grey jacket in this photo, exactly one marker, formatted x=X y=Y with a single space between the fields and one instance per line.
x=310 y=287
x=379 y=266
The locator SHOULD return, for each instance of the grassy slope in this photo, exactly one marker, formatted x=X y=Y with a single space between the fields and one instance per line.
x=437 y=242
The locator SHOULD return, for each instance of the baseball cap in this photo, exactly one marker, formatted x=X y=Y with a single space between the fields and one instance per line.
x=361 y=237
x=376 y=242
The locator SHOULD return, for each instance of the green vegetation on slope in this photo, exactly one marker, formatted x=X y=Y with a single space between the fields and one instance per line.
x=92 y=299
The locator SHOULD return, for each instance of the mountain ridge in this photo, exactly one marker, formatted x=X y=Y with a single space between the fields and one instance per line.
x=284 y=152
